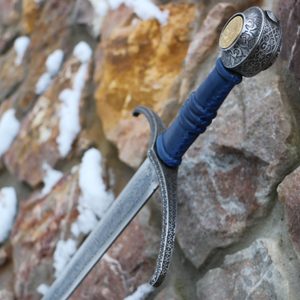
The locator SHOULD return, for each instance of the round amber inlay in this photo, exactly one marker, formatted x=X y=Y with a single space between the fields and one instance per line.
x=231 y=32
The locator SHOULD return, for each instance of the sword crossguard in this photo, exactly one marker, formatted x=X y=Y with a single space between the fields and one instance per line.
x=167 y=178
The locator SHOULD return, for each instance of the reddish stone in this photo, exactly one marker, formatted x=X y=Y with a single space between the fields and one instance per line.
x=40 y=224
x=289 y=194
x=229 y=175
x=123 y=268
x=289 y=15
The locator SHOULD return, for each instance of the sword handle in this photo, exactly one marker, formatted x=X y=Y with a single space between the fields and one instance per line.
x=244 y=52
x=196 y=114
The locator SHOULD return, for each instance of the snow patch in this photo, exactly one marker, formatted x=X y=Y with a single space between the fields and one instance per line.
x=39 y=2
x=95 y=199
x=42 y=84
x=54 y=61
x=53 y=64
x=83 y=52
x=144 y=9
x=50 y=179
x=43 y=289
x=21 y=44
x=141 y=293
x=8 y=211
x=69 y=124
x=63 y=252
x=9 y=128
x=92 y=185
x=93 y=203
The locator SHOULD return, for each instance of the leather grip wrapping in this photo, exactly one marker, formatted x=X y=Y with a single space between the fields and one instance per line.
x=196 y=114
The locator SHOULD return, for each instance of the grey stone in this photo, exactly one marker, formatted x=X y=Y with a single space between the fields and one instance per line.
x=229 y=176
x=6 y=295
x=253 y=273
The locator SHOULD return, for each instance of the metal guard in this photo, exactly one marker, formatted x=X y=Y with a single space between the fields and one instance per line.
x=167 y=178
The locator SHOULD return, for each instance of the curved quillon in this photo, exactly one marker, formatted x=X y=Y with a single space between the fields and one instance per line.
x=196 y=114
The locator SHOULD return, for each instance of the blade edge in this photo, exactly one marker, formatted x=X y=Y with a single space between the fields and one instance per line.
x=133 y=197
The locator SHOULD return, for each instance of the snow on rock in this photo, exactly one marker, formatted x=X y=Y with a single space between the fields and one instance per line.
x=8 y=211
x=43 y=289
x=93 y=189
x=63 y=252
x=39 y=2
x=83 y=52
x=43 y=83
x=95 y=199
x=69 y=124
x=50 y=179
x=54 y=61
x=144 y=9
x=141 y=293
x=93 y=203
x=53 y=64
x=9 y=128
x=21 y=44
x=69 y=121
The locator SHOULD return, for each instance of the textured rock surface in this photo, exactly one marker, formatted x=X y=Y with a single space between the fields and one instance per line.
x=202 y=44
x=6 y=295
x=140 y=63
x=229 y=175
x=289 y=194
x=289 y=15
x=40 y=224
x=128 y=264
x=36 y=143
x=11 y=74
x=10 y=11
x=168 y=293
x=46 y=37
x=253 y=273
x=228 y=180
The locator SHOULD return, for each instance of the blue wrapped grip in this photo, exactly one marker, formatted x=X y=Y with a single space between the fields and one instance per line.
x=196 y=114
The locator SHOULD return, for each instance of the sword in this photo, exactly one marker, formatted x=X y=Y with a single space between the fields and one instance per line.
x=250 y=42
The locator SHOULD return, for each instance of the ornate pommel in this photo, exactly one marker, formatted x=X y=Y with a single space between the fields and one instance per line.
x=250 y=41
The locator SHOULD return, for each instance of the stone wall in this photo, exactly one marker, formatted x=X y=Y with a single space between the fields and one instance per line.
x=238 y=233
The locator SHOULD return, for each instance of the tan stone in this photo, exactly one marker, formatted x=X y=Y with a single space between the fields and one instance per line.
x=203 y=44
x=30 y=15
x=140 y=64
x=10 y=12
x=40 y=224
x=11 y=74
x=46 y=37
x=36 y=142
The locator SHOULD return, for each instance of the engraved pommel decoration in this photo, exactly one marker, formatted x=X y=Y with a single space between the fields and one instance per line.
x=250 y=41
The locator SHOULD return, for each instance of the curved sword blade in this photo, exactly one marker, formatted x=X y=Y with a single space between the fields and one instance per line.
x=136 y=193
